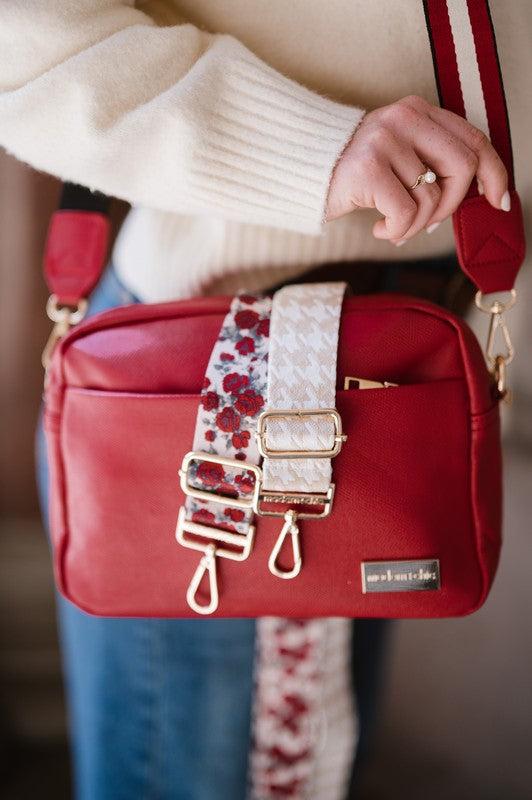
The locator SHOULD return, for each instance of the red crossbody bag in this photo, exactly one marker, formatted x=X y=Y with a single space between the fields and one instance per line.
x=415 y=530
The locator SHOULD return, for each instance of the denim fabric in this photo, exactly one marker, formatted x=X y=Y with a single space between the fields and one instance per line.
x=158 y=709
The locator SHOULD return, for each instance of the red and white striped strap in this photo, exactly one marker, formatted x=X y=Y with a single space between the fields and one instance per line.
x=468 y=71
x=490 y=243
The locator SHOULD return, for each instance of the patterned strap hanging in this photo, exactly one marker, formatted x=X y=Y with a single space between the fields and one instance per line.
x=303 y=733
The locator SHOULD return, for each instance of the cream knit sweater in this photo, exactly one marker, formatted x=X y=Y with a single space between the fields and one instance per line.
x=221 y=122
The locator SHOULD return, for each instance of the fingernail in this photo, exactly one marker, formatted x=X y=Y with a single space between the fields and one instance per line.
x=480 y=186
x=401 y=242
x=506 y=203
x=433 y=227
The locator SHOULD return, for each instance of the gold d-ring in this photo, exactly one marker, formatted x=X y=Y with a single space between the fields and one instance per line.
x=497 y=306
x=64 y=318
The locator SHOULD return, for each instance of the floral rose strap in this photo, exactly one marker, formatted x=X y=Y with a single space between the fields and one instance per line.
x=220 y=488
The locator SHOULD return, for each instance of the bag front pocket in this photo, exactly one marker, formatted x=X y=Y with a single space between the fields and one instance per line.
x=403 y=491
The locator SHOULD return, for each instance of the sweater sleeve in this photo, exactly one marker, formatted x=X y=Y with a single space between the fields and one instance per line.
x=173 y=118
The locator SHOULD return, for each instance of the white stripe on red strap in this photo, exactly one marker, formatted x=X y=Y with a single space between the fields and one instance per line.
x=468 y=68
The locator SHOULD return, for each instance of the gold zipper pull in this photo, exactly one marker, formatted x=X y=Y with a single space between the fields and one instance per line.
x=364 y=383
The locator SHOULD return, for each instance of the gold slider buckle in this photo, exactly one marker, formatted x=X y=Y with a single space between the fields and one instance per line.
x=300 y=413
x=233 y=464
x=207 y=564
x=301 y=499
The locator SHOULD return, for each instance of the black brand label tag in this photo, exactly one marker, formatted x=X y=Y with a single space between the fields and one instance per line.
x=400 y=576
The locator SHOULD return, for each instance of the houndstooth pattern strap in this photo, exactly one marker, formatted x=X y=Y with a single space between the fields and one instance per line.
x=304 y=720
x=303 y=344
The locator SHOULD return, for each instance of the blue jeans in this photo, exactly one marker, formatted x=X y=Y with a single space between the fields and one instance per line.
x=159 y=709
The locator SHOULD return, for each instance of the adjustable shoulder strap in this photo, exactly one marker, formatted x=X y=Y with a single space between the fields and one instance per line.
x=490 y=243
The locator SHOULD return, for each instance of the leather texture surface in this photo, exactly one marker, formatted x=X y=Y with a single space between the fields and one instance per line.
x=418 y=478
x=490 y=244
x=75 y=253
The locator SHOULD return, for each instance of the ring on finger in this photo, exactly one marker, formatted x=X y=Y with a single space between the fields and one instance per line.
x=426 y=177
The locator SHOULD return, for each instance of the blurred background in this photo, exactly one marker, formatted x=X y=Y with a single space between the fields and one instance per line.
x=456 y=709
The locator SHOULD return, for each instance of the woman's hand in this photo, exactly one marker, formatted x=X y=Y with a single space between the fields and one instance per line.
x=395 y=144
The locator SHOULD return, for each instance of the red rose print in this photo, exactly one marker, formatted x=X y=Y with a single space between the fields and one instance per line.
x=263 y=328
x=291 y=789
x=247 y=299
x=226 y=526
x=241 y=439
x=240 y=456
x=210 y=474
x=245 y=485
x=227 y=357
x=210 y=436
x=210 y=401
x=245 y=346
x=235 y=513
x=249 y=403
x=206 y=383
x=227 y=490
x=297 y=653
x=227 y=420
x=246 y=319
x=234 y=382
x=203 y=516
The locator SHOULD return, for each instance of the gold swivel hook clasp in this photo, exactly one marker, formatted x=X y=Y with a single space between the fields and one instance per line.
x=290 y=528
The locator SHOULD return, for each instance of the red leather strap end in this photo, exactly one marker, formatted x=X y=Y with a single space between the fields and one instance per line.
x=75 y=252
x=490 y=244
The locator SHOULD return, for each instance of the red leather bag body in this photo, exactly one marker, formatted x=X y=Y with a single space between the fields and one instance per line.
x=418 y=478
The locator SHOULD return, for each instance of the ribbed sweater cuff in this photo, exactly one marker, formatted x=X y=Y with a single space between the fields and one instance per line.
x=270 y=148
